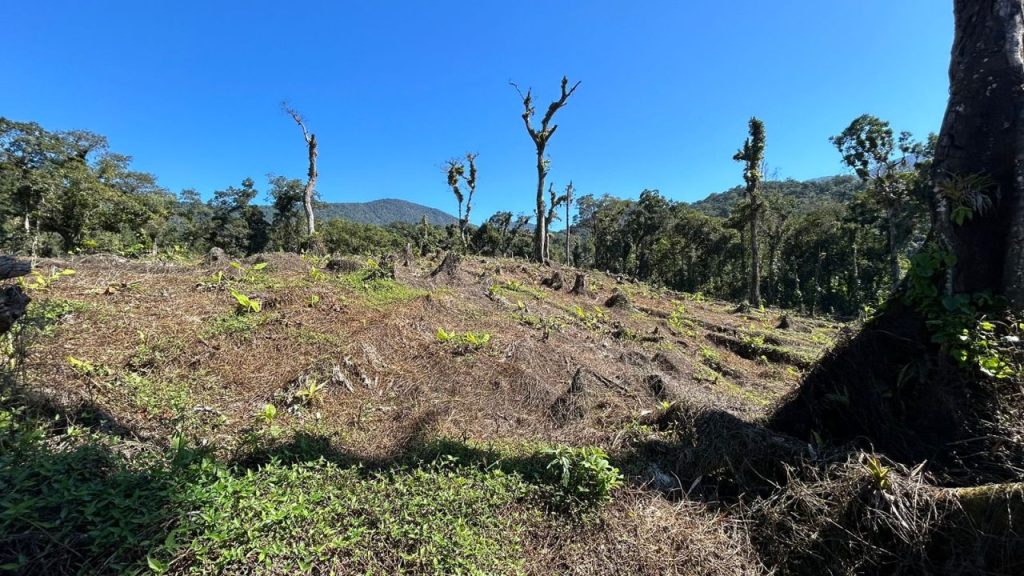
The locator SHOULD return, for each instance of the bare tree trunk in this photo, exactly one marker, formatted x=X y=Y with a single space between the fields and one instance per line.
x=540 y=139
x=311 y=174
x=755 y=254
x=540 y=233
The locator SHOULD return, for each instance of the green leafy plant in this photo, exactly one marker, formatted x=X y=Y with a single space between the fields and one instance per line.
x=250 y=274
x=590 y=319
x=375 y=270
x=43 y=282
x=464 y=342
x=583 y=476
x=244 y=304
x=879 y=473
x=678 y=319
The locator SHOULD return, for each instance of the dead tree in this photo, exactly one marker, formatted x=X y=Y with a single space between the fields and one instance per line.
x=552 y=215
x=569 y=192
x=12 y=300
x=307 y=194
x=456 y=170
x=540 y=140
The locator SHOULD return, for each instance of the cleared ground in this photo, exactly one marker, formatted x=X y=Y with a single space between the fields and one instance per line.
x=374 y=425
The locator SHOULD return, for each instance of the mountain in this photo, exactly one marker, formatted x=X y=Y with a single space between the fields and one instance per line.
x=378 y=212
x=807 y=194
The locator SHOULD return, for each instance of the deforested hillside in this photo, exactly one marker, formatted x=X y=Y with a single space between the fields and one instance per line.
x=331 y=380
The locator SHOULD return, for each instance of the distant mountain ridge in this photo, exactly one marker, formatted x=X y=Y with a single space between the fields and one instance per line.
x=806 y=194
x=380 y=212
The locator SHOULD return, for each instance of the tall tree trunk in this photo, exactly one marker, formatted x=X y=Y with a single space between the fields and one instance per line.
x=942 y=417
x=755 y=255
x=540 y=233
x=307 y=194
x=568 y=231
x=854 y=288
x=983 y=134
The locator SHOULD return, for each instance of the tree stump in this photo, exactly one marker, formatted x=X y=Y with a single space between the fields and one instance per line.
x=344 y=265
x=407 y=256
x=619 y=299
x=579 y=287
x=555 y=282
x=13 y=300
x=449 y=266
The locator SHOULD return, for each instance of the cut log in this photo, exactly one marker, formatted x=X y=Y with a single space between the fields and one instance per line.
x=13 y=268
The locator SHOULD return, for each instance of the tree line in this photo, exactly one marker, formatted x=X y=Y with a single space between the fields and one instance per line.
x=839 y=252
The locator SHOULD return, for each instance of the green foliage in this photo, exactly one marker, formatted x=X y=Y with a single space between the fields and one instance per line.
x=976 y=329
x=375 y=270
x=251 y=274
x=584 y=477
x=465 y=342
x=42 y=282
x=678 y=319
x=591 y=319
x=234 y=324
x=382 y=291
x=244 y=304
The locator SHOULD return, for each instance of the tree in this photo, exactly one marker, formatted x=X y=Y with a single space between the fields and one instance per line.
x=312 y=174
x=922 y=380
x=752 y=156
x=456 y=171
x=880 y=160
x=552 y=215
x=288 y=196
x=540 y=140
x=569 y=195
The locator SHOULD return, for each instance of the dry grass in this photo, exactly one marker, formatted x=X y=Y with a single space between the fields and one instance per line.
x=169 y=354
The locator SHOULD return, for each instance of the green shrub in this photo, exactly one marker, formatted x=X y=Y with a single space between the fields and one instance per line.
x=583 y=476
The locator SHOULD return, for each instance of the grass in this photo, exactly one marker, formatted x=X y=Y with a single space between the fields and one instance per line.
x=156 y=397
x=346 y=480
x=234 y=324
x=75 y=502
x=381 y=292
x=286 y=519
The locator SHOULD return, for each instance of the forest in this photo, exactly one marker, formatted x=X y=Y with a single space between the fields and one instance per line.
x=67 y=193
x=786 y=377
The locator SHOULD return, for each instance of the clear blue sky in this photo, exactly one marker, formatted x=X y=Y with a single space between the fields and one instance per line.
x=191 y=89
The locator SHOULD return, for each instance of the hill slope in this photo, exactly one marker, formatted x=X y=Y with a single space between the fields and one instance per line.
x=806 y=194
x=392 y=447
x=380 y=212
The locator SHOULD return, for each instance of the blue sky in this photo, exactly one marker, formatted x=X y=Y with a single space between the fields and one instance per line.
x=192 y=89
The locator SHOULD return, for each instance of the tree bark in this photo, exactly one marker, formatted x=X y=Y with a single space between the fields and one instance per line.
x=755 y=255
x=983 y=134
x=894 y=258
